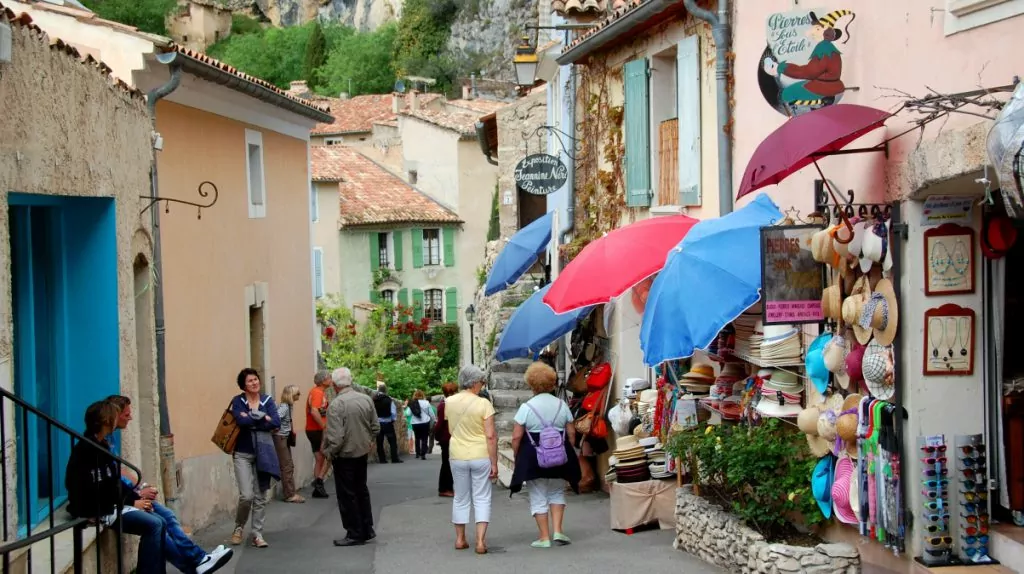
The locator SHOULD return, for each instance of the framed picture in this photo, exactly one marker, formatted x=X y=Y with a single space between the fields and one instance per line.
x=949 y=341
x=791 y=278
x=949 y=260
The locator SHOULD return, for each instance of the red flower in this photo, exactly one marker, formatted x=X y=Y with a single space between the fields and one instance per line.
x=329 y=332
x=425 y=322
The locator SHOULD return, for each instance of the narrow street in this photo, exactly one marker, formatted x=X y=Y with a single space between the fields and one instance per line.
x=414 y=534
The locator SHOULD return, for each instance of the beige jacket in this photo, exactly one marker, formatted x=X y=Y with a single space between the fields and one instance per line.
x=351 y=425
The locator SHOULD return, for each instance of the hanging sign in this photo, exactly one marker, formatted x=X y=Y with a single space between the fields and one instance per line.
x=941 y=209
x=541 y=174
x=791 y=280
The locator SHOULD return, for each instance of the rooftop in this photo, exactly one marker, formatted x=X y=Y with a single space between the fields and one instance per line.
x=626 y=20
x=370 y=194
x=354 y=115
x=480 y=105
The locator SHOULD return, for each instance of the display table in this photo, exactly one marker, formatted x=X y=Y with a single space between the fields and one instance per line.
x=638 y=503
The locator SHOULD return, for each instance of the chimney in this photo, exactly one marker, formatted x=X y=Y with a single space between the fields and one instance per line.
x=413 y=100
x=298 y=88
x=466 y=92
x=343 y=95
x=397 y=103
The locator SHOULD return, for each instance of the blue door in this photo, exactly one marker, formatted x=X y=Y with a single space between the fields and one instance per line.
x=66 y=342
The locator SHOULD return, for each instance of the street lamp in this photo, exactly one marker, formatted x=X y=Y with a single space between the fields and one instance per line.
x=470 y=315
x=525 y=62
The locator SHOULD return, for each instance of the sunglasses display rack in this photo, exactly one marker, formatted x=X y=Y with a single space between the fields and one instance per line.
x=971 y=482
x=938 y=542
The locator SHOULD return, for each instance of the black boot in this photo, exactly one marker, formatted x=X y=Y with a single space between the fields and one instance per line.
x=318 y=489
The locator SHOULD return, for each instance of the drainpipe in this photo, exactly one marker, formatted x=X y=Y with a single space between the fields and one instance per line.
x=570 y=212
x=723 y=37
x=168 y=481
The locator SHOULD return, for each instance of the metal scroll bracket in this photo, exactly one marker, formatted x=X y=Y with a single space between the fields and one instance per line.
x=207 y=189
x=570 y=151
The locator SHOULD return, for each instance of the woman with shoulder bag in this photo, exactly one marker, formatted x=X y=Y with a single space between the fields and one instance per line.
x=545 y=459
x=255 y=458
x=284 y=440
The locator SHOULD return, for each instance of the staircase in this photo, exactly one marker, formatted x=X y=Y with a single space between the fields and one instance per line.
x=509 y=391
x=53 y=541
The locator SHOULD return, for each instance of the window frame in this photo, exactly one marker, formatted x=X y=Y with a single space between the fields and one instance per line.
x=256 y=210
x=318 y=282
x=964 y=15
x=314 y=199
x=337 y=140
x=427 y=309
x=387 y=247
x=390 y=301
x=427 y=262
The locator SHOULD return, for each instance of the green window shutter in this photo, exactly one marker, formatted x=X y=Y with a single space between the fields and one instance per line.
x=417 y=248
x=417 y=304
x=688 y=90
x=638 y=139
x=374 y=252
x=397 y=240
x=449 y=246
x=451 y=300
x=374 y=296
x=403 y=297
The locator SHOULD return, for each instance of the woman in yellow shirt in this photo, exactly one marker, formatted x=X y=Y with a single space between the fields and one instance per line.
x=473 y=451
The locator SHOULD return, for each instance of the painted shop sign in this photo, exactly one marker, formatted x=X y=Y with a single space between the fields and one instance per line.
x=791 y=280
x=540 y=174
x=801 y=67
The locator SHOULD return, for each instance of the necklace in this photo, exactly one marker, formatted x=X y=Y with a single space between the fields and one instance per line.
x=949 y=329
x=959 y=260
x=965 y=340
x=933 y=332
x=940 y=258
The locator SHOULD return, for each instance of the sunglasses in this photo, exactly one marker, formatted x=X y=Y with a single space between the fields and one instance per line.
x=934 y=460
x=933 y=472
x=974 y=530
x=971 y=540
x=975 y=551
x=975 y=519
x=969 y=461
x=938 y=540
x=932 y=494
x=933 y=449
x=969 y=484
x=936 y=517
x=974 y=473
x=970 y=507
x=969 y=449
x=936 y=483
x=935 y=528
x=973 y=496
x=933 y=505
x=936 y=551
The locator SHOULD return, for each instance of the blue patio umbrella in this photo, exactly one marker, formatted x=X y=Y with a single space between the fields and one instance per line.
x=519 y=254
x=709 y=279
x=533 y=325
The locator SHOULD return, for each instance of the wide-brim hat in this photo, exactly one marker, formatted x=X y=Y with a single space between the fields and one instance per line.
x=855 y=494
x=814 y=362
x=998 y=235
x=626 y=442
x=821 y=484
x=882 y=313
x=807 y=421
x=774 y=409
x=879 y=371
x=818 y=446
x=854 y=363
x=699 y=373
x=876 y=248
x=832 y=302
x=835 y=359
x=853 y=306
x=841 y=491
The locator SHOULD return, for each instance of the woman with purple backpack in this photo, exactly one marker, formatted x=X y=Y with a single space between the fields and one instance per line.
x=542 y=440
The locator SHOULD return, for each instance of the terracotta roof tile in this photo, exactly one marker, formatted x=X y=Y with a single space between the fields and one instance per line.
x=619 y=12
x=370 y=194
x=25 y=21
x=354 y=115
x=574 y=7
x=482 y=106
x=458 y=121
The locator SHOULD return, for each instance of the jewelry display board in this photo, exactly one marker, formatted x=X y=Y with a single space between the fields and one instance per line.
x=949 y=260
x=949 y=340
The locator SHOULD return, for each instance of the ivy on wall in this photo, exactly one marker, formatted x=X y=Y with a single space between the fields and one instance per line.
x=600 y=182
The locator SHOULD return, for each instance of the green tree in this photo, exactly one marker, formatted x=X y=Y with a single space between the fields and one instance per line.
x=494 y=225
x=421 y=45
x=275 y=54
x=146 y=15
x=360 y=63
x=316 y=54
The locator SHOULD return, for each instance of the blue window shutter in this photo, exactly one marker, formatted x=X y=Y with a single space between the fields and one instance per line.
x=396 y=238
x=448 y=234
x=688 y=93
x=451 y=314
x=638 y=134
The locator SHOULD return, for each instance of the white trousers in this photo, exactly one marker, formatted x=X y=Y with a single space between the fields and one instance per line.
x=544 y=492
x=472 y=488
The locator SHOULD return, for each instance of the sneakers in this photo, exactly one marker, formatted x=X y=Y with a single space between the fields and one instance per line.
x=236 y=537
x=215 y=560
x=540 y=544
x=562 y=539
x=318 y=489
x=259 y=542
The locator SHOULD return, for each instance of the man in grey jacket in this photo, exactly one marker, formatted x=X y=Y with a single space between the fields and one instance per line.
x=351 y=427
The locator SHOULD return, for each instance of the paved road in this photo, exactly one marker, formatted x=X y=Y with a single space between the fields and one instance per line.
x=414 y=534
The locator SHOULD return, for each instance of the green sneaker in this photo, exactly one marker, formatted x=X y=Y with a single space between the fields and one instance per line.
x=562 y=539
x=541 y=544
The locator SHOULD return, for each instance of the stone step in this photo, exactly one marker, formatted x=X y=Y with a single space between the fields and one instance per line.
x=506 y=462
x=511 y=366
x=507 y=382
x=504 y=422
x=510 y=399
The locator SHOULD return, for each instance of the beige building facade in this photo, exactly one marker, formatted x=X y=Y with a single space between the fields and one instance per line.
x=76 y=268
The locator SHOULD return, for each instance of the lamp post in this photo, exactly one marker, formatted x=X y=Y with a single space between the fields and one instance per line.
x=470 y=315
x=525 y=62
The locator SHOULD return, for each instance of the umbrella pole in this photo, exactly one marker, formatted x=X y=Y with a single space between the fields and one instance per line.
x=842 y=212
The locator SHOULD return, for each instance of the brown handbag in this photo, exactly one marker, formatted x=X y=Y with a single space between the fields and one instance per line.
x=225 y=436
x=578 y=382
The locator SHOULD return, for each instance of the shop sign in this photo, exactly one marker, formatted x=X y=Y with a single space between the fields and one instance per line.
x=541 y=174
x=801 y=67
x=791 y=280
x=940 y=209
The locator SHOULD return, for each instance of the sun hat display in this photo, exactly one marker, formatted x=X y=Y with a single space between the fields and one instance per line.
x=814 y=362
x=821 y=484
x=881 y=313
x=807 y=422
x=875 y=247
x=854 y=362
x=835 y=359
x=878 y=371
x=846 y=424
x=627 y=442
x=780 y=395
x=832 y=302
x=853 y=306
x=841 y=491
x=827 y=420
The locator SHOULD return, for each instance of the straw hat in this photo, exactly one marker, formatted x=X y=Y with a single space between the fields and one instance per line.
x=846 y=424
x=881 y=313
x=835 y=359
x=818 y=249
x=832 y=302
x=829 y=413
x=807 y=420
x=853 y=307
x=700 y=373
x=626 y=442
x=841 y=491
x=878 y=371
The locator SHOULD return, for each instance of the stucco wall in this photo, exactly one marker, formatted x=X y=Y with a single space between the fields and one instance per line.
x=209 y=265
x=51 y=144
x=325 y=236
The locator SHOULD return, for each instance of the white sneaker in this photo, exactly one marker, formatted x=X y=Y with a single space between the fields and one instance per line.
x=215 y=560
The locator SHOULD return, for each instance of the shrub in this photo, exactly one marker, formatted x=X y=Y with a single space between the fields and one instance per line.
x=762 y=473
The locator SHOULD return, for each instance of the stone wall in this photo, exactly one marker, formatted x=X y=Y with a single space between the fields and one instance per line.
x=716 y=536
x=515 y=122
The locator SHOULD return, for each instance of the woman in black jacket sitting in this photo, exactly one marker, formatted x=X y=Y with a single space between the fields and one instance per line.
x=95 y=490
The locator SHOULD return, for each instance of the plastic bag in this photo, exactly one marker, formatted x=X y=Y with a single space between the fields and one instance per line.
x=619 y=416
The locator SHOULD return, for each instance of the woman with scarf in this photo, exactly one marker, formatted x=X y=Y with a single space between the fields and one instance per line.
x=255 y=457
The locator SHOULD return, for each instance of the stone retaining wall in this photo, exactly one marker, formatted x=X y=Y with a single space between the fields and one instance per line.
x=716 y=536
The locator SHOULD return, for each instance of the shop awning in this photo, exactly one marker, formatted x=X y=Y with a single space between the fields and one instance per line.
x=533 y=326
x=805 y=138
x=519 y=254
x=709 y=279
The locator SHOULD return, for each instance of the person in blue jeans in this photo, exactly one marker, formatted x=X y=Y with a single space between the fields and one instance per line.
x=178 y=548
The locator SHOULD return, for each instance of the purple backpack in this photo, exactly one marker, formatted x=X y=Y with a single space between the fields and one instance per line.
x=551 y=446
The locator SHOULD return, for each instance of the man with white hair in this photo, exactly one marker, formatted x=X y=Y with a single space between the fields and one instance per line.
x=351 y=426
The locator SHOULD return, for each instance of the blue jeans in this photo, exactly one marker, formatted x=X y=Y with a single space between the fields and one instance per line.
x=150 y=528
x=179 y=549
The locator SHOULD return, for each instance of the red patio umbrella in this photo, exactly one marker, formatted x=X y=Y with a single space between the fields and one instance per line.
x=803 y=139
x=609 y=266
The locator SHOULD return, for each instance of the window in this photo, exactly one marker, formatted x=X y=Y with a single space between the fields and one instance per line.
x=254 y=175
x=387 y=296
x=314 y=199
x=216 y=36
x=431 y=246
x=184 y=39
x=413 y=177
x=318 y=272
x=964 y=15
x=383 y=253
x=334 y=141
x=433 y=304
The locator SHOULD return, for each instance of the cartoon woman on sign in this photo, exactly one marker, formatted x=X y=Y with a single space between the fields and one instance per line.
x=818 y=81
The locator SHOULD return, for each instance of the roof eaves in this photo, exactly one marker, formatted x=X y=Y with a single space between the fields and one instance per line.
x=400 y=221
x=618 y=25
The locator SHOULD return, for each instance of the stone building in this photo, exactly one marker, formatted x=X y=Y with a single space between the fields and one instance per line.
x=199 y=24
